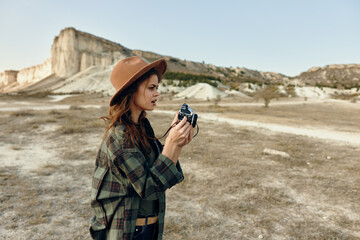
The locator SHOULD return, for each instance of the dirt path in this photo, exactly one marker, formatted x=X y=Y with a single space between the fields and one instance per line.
x=310 y=131
x=324 y=133
x=282 y=102
x=41 y=107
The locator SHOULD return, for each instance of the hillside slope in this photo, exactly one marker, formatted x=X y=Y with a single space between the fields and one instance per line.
x=337 y=76
x=77 y=56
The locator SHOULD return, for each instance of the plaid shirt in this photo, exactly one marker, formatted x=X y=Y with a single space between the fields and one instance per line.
x=121 y=177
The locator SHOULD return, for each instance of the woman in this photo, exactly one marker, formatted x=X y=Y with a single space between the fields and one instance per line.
x=133 y=170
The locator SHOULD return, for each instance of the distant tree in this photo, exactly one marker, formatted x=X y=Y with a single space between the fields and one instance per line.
x=217 y=100
x=290 y=90
x=267 y=93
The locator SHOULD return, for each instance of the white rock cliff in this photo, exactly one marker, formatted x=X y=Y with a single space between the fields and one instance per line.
x=72 y=51
x=35 y=73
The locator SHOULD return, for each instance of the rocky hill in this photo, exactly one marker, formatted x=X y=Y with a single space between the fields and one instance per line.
x=84 y=61
x=336 y=76
x=74 y=52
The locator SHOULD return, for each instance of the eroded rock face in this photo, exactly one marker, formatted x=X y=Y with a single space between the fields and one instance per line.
x=35 y=73
x=8 y=77
x=27 y=75
x=74 y=51
x=65 y=59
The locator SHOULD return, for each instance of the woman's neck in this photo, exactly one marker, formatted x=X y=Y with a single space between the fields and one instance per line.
x=135 y=114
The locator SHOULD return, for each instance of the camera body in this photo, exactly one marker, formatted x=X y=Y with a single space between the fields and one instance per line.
x=187 y=112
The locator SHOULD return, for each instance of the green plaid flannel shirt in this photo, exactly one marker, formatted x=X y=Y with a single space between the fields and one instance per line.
x=121 y=177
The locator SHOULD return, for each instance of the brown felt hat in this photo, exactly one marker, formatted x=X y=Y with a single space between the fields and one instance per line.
x=129 y=70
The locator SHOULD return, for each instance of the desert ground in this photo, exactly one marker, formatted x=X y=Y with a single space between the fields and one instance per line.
x=290 y=171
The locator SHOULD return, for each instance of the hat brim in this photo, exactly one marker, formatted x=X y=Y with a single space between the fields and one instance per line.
x=159 y=65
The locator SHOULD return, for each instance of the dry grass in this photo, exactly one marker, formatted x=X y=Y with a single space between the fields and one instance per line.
x=245 y=194
x=76 y=125
x=46 y=170
x=24 y=113
x=231 y=189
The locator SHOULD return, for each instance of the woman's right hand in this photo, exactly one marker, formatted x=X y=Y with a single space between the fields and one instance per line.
x=179 y=134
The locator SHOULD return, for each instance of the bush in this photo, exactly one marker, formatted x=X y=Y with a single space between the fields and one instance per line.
x=267 y=93
x=290 y=89
x=189 y=76
x=187 y=79
x=23 y=113
x=217 y=100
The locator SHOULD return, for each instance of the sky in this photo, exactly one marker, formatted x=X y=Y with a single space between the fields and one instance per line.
x=284 y=36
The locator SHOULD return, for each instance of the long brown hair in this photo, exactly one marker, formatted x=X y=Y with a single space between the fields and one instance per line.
x=120 y=113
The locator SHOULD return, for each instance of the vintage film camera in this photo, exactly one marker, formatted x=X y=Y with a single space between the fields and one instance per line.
x=187 y=112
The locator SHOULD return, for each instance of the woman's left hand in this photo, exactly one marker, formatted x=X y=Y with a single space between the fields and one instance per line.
x=188 y=139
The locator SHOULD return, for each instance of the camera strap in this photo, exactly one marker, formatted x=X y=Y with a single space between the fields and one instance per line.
x=197 y=130
x=167 y=131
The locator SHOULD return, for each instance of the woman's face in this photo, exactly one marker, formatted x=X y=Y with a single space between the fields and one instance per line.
x=146 y=95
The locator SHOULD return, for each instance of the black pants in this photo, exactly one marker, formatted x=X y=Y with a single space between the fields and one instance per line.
x=146 y=232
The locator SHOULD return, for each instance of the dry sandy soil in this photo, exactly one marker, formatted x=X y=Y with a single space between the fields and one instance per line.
x=232 y=188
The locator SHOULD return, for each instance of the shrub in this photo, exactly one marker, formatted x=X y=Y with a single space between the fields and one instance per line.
x=290 y=89
x=24 y=113
x=267 y=93
x=217 y=100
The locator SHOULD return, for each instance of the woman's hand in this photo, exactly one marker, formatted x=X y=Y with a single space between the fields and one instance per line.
x=179 y=136
x=182 y=133
x=188 y=139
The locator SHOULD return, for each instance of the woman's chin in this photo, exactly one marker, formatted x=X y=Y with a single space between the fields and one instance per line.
x=150 y=108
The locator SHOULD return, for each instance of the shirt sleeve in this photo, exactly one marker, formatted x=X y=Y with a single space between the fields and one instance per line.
x=149 y=183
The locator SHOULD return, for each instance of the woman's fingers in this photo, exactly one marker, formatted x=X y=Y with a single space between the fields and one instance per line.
x=181 y=123
x=191 y=134
x=187 y=130
x=184 y=131
x=187 y=136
